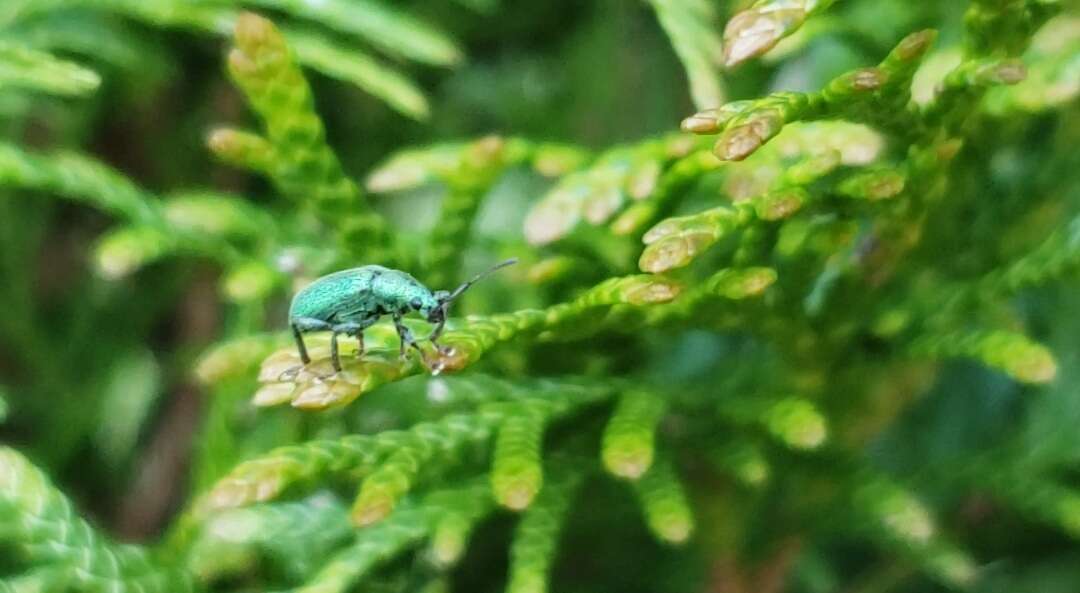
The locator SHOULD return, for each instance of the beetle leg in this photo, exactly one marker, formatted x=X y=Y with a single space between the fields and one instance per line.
x=334 y=359
x=406 y=336
x=301 y=325
x=353 y=328
x=300 y=344
x=435 y=333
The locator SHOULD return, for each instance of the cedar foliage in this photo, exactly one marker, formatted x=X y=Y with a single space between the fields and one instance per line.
x=821 y=338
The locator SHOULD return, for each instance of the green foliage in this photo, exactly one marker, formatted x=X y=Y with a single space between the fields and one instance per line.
x=667 y=512
x=760 y=27
x=536 y=537
x=630 y=435
x=26 y=68
x=69 y=551
x=300 y=162
x=822 y=338
x=516 y=475
x=76 y=177
x=28 y=23
x=692 y=29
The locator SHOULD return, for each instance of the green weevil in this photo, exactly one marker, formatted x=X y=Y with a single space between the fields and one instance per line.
x=350 y=301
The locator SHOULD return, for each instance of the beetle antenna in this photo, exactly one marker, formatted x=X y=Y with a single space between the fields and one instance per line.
x=457 y=291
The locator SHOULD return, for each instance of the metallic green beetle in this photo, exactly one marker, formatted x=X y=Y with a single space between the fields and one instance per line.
x=350 y=301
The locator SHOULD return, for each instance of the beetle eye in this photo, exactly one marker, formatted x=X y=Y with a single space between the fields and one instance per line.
x=416 y=303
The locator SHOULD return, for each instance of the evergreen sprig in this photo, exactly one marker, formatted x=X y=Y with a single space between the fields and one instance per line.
x=765 y=23
x=151 y=231
x=63 y=550
x=387 y=28
x=301 y=163
x=27 y=68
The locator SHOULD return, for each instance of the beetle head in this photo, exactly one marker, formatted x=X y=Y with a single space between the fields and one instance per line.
x=434 y=309
x=444 y=298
